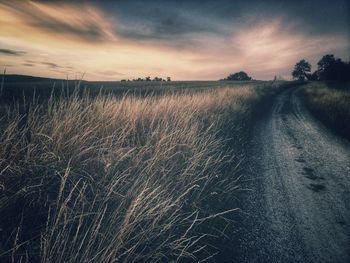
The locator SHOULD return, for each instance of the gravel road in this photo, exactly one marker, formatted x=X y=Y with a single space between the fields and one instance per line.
x=297 y=203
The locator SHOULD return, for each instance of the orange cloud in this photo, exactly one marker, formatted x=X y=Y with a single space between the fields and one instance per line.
x=39 y=21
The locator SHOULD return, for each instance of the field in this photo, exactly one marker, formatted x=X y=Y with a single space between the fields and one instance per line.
x=122 y=173
x=330 y=103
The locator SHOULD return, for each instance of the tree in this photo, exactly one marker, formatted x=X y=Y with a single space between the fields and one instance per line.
x=240 y=76
x=301 y=70
x=157 y=79
x=325 y=62
x=330 y=68
x=313 y=76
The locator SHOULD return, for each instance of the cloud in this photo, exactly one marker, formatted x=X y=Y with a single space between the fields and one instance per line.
x=55 y=66
x=28 y=64
x=169 y=25
x=274 y=46
x=172 y=20
x=11 y=52
x=263 y=50
x=51 y=65
x=81 y=21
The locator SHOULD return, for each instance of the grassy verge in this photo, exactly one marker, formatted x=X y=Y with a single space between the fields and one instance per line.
x=105 y=178
x=329 y=102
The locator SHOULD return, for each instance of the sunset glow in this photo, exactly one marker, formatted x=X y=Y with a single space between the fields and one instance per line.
x=60 y=38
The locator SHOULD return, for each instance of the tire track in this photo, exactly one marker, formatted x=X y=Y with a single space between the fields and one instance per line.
x=299 y=206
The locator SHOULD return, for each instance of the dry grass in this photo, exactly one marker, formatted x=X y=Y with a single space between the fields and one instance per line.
x=106 y=179
x=329 y=102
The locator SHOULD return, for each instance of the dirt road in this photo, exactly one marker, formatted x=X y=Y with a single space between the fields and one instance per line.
x=297 y=206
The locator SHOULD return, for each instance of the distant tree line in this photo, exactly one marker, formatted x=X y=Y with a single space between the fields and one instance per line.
x=239 y=76
x=148 y=79
x=329 y=68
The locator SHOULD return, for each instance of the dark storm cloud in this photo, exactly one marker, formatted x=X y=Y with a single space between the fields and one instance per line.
x=158 y=20
x=11 y=52
x=155 y=19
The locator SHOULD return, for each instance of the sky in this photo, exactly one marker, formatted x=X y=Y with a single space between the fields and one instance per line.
x=183 y=39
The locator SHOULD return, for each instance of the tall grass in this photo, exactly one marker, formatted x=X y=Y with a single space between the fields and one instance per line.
x=128 y=179
x=330 y=103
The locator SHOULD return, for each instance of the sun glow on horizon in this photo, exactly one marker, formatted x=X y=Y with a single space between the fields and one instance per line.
x=60 y=39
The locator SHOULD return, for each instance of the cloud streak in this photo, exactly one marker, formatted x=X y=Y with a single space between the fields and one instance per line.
x=82 y=21
x=51 y=65
x=11 y=52
x=28 y=64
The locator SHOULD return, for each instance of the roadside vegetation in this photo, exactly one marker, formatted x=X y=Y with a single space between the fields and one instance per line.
x=105 y=177
x=330 y=103
x=328 y=95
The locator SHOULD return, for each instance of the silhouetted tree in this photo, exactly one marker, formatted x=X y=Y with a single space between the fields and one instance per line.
x=330 y=68
x=325 y=62
x=301 y=70
x=240 y=76
x=168 y=79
